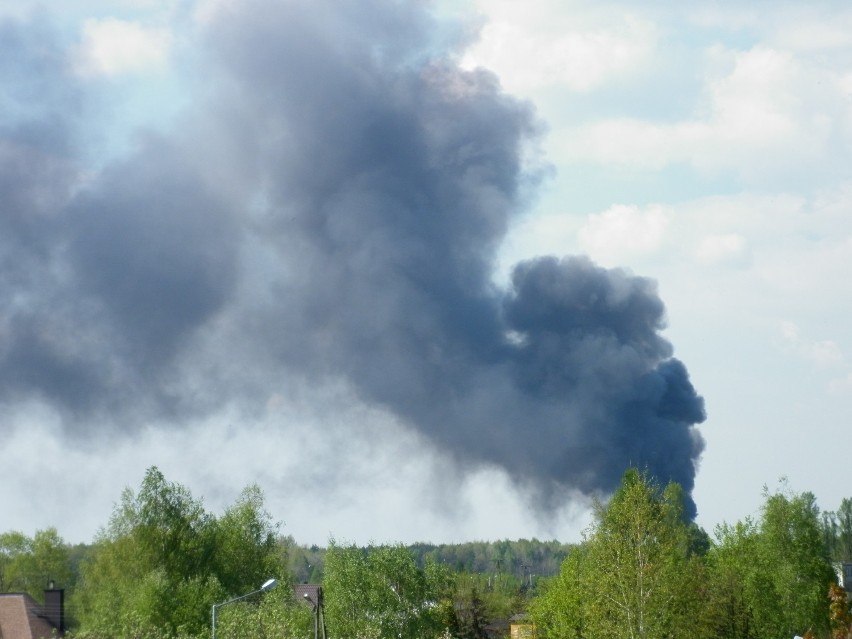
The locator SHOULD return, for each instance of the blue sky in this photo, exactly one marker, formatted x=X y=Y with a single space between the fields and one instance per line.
x=705 y=147
x=714 y=157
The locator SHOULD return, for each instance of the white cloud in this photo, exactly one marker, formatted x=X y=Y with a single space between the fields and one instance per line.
x=762 y=232
x=729 y=248
x=821 y=353
x=824 y=353
x=110 y=47
x=763 y=113
x=842 y=385
x=811 y=34
x=792 y=25
x=622 y=232
x=789 y=331
x=790 y=252
x=532 y=46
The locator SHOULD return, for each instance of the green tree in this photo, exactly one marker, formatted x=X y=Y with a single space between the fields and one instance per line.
x=173 y=530
x=837 y=531
x=770 y=577
x=29 y=564
x=275 y=615
x=637 y=576
x=471 y=615
x=163 y=561
x=830 y=534
x=149 y=569
x=247 y=550
x=560 y=609
x=14 y=545
x=51 y=560
x=733 y=588
x=796 y=561
x=305 y=563
x=640 y=564
x=844 y=530
x=380 y=592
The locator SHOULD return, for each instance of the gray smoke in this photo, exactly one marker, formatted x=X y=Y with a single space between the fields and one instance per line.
x=332 y=211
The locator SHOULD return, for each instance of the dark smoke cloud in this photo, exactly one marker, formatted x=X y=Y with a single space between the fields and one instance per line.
x=37 y=177
x=334 y=211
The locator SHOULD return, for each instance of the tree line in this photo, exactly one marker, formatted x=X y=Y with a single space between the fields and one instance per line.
x=642 y=571
x=504 y=563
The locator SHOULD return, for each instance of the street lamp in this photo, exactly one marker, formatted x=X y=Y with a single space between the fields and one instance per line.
x=269 y=584
x=315 y=609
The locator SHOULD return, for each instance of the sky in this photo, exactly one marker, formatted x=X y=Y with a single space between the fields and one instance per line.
x=423 y=271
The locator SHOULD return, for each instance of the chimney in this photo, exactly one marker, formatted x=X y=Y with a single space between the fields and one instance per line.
x=54 y=607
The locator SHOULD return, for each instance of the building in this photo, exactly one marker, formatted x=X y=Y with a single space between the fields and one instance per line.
x=521 y=628
x=844 y=575
x=21 y=617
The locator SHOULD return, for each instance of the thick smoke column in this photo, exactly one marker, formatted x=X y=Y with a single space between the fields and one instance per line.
x=333 y=211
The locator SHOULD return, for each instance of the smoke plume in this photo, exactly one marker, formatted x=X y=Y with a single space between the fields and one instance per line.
x=329 y=207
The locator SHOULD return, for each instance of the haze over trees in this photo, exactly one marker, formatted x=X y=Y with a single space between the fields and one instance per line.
x=837 y=531
x=642 y=571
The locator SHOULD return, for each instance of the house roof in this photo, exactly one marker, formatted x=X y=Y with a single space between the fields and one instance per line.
x=309 y=592
x=22 y=618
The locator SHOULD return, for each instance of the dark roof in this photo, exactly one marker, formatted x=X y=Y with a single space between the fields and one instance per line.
x=497 y=628
x=308 y=592
x=22 y=618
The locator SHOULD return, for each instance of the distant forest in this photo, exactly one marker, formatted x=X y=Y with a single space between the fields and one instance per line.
x=499 y=563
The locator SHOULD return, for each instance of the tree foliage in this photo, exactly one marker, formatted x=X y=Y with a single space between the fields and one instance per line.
x=471 y=615
x=771 y=576
x=380 y=592
x=275 y=616
x=504 y=565
x=651 y=590
x=837 y=531
x=839 y=613
x=508 y=562
x=560 y=609
x=28 y=564
x=637 y=576
x=163 y=561
x=644 y=573
x=247 y=551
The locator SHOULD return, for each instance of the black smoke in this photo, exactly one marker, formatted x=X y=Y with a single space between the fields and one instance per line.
x=330 y=207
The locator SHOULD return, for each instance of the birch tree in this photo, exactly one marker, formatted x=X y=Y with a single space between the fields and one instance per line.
x=380 y=593
x=635 y=578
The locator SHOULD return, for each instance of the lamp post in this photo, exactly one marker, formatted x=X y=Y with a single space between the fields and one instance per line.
x=269 y=584
x=315 y=609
